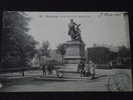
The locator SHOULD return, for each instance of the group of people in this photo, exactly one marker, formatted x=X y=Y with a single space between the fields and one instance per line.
x=87 y=69
x=46 y=65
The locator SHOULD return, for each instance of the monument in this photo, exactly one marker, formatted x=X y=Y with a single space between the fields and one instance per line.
x=75 y=48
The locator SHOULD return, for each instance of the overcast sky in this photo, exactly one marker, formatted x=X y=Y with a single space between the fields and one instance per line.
x=96 y=27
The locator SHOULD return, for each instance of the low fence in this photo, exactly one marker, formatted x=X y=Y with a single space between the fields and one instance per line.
x=106 y=66
x=102 y=66
x=98 y=66
x=124 y=66
x=11 y=70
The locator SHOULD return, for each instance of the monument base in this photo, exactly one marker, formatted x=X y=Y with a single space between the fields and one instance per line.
x=73 y=59
x=74 y=52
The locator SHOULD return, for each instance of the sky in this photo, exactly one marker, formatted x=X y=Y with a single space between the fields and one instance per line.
x=102 y=28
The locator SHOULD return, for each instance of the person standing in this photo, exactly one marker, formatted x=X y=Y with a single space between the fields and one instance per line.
x=82 y=71
x=44 y=69
x=43 y=64
x=92 y=69
x=87 y=70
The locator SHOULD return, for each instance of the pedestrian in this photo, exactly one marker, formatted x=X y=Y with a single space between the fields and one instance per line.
x=43 y=64
x=87 y=69
x=92 y=69
x=44 y=69
x=50 y=68
x=110 y=65
x=82 y=71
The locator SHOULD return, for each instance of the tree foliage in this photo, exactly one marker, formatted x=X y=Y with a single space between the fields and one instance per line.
x=124 y=52
x=61 y=50
x=103 y=55
x=17 y=46
x=100 y=55
x=124 y=56
x=45 y=50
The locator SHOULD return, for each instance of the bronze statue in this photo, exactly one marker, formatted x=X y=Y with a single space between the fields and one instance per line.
x=74 y=30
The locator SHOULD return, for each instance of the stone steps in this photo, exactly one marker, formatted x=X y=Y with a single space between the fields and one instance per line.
x=70 y=67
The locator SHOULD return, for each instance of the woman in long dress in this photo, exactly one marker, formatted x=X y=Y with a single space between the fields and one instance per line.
x=92 y=69
x=87 y=70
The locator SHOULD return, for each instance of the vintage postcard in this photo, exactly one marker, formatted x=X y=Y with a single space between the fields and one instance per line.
x=65 y=51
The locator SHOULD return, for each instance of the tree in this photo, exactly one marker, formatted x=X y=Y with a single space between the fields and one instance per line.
x=45 y=48
x=124 y=55
x=43 y=51
x=61 y=50
x=124 y=52
x=100 y=55
x=17 y=46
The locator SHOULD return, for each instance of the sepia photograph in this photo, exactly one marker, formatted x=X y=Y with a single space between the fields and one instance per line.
x=65 y=51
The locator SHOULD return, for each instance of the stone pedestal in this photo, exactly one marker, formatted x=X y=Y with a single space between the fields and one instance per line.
x=75 y=52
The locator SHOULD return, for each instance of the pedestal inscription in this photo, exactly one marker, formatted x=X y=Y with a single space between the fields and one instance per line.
x=74 y=52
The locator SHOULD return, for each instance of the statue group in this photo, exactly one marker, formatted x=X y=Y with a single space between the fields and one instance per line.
x=74 y=30
x=75 y=48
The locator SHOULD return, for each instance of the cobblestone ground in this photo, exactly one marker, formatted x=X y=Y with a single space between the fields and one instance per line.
x=33 y=81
